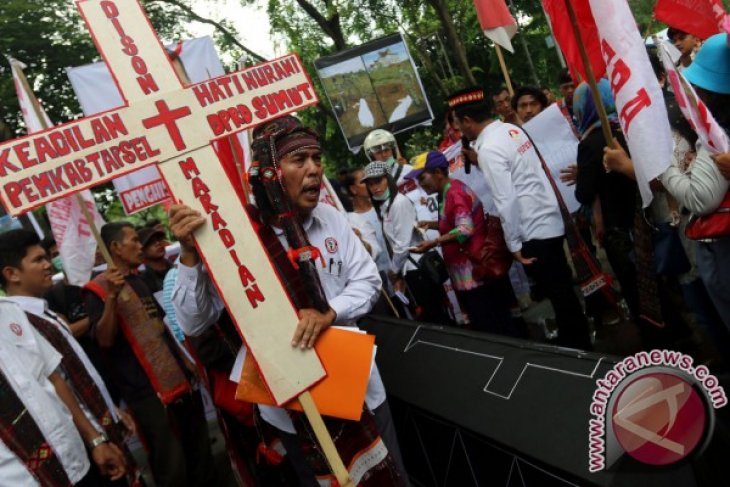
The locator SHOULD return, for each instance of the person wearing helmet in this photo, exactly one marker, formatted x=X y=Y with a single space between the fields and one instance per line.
x=380 y=145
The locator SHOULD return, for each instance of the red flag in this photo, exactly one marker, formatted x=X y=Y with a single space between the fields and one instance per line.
x=701 y=18
x=496 y=21
x=563 y=31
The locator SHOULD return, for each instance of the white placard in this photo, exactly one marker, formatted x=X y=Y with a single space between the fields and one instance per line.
x=554 y=138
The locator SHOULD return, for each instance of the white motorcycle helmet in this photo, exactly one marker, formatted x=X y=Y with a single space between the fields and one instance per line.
x=377 y=141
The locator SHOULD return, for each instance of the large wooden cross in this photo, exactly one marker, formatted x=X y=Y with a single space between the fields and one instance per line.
x=165 y=123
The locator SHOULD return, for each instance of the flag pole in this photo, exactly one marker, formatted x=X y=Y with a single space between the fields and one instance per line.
x=79 y=200
x=600 y=107
x=505 y=73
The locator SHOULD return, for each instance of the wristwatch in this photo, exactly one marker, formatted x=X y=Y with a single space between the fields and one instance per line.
x=99 y=440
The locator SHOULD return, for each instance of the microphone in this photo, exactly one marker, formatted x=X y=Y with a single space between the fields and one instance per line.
x=465 y=145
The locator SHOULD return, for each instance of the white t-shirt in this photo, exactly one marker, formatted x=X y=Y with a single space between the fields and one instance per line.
x=27 y=360
x=426 y=205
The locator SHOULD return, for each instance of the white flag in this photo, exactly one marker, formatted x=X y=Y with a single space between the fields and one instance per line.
x=75 y=241
x=639 y=100
x=497 y=22
x=71 y=231
x=713 y=137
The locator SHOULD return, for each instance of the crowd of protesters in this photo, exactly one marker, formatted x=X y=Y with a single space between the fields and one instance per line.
x=474 y=240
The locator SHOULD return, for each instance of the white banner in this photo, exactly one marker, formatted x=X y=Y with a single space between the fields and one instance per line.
x=713 y=137
x=73 y=236
x=97 y=93
x=554 y=138
x=639 y=99
x=74 y=239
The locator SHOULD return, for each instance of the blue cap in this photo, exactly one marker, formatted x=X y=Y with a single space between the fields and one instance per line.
x=710 y=69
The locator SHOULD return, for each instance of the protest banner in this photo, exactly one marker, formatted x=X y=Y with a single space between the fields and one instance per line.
x=565 y=34
x=554 y=138
x=374 y=85
x=165 y=123
x=48 y=165
x=639 y=100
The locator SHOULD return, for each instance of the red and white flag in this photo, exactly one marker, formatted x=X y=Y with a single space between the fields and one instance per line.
x=701 y=18
x=708 y=130
x=497 y=22
x=639 y=99
x=71 y=231
x=557 y=14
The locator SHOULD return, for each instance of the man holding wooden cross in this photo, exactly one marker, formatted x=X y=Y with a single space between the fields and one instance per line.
x=350 y=281
x=166 y=123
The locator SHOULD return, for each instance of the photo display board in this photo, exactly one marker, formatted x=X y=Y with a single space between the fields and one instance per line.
x=374 y=85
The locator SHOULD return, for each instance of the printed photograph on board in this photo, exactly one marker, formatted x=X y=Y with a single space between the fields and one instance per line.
x=375 y=85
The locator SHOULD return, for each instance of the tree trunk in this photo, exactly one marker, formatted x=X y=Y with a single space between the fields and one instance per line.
x=453 y=39
x=528 y=56
x=331 y=26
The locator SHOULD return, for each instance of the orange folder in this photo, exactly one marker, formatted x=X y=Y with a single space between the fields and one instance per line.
x=346 y=357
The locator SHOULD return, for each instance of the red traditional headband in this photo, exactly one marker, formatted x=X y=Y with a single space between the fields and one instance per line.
x=468 y=98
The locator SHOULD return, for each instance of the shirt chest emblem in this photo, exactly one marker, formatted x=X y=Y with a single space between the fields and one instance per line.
x=331 y=245
x=16 y=328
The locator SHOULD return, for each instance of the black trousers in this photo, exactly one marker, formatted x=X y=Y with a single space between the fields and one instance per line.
x=430 y=297
x=552 y=273
x=178 y=442
x=489 y=305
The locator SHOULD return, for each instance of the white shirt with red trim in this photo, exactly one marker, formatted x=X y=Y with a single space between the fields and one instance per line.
x=525 y=201
x=27 y=360
x=350 y=280
x=39 y=308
